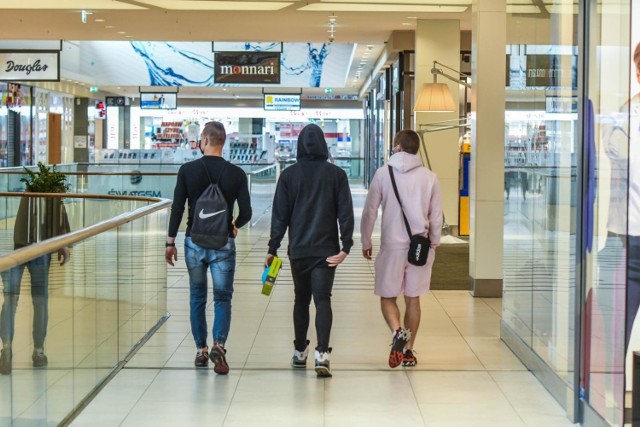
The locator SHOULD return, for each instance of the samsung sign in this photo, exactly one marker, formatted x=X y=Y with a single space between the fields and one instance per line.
x=30 y=66
x=283 y=102
x=247 y=67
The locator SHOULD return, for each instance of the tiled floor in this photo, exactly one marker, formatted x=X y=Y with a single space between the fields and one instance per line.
x=466 y=376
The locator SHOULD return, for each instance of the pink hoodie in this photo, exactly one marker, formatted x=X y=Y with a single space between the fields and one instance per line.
x=420 y=194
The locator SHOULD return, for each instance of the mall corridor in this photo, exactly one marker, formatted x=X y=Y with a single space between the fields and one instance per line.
x=466 y=376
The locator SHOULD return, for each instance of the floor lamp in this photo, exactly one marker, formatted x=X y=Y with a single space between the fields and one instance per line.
x=437 y=97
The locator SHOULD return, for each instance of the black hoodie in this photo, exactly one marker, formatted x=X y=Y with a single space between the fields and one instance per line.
x=312 y=199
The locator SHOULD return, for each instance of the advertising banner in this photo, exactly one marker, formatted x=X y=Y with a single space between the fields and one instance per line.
x=31 y=66
x=152 y=63
x=247 y=67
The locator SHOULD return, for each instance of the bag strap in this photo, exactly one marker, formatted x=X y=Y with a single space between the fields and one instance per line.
x=207 y=171
x=395 y=190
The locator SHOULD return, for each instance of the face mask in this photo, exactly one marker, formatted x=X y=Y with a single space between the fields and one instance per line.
x=200 y=147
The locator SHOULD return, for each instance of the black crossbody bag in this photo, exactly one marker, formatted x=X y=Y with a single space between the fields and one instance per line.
x=418 y=244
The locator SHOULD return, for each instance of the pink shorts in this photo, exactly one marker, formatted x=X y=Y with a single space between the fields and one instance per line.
x=395 y=276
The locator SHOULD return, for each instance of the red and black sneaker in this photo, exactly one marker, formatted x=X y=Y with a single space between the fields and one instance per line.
x=408 y=358
x=202 y=359
x=400 y=339
x=219 y=360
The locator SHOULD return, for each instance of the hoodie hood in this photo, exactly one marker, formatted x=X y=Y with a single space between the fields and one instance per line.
x=311 y=144
x=404 y=162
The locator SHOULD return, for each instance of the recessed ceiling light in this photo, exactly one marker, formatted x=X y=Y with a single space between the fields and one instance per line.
x=99 y=20
x=109 y=26
x=406 y=23
x=412 y=17
x=128 y=37
x=122 y=32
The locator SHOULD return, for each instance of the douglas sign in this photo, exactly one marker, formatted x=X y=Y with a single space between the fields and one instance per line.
x=30 y=66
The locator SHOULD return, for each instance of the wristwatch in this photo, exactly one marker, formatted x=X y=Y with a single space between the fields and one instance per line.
x=169 y=245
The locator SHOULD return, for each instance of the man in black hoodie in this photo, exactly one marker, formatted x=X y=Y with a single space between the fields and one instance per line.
x=312 y=199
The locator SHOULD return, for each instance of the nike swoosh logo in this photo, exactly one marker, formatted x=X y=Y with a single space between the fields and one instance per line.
x=203 y=215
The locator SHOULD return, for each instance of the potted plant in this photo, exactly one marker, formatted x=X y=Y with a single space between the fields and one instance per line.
x=40 y=218
x=47 y=180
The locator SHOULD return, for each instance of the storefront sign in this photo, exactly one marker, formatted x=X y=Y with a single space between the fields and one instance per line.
x=30 y=66
x=247 y=67
x=282 y=102
x=551 y=71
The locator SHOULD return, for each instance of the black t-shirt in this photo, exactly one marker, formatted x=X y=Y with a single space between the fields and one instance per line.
x=193 y=180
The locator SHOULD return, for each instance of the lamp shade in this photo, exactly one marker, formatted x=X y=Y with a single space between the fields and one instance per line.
x=435 y=97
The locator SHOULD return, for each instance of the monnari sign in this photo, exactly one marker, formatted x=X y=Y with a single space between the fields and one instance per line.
x=36 y=66
x=247 y=67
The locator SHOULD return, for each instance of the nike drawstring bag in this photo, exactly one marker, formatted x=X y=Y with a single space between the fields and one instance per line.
x=210 y=226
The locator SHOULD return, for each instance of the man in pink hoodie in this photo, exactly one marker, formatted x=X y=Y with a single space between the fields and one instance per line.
x=419 y=193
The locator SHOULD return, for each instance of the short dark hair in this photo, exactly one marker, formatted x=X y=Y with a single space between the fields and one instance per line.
x=215 y=133
x=636 y=56
x=409 y=141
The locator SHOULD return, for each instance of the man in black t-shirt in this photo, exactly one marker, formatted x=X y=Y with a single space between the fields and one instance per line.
x=193 y=179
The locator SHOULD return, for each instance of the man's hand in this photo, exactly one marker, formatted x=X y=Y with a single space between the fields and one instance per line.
x=171 y=255
x=367 y=253
x=336 y=260
x=235 y=231
x=63 y=255
x=268 y=260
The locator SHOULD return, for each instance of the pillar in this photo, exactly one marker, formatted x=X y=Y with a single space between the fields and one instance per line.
x=81 y=130
x=488 y=59
x=439 y=40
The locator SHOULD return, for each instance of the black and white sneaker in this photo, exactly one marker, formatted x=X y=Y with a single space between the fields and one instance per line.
x=299 y=359
x=400 y=339
x=39 y=359
x=323 y=366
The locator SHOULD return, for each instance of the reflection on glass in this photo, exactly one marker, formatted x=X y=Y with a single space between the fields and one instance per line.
x=606 y=331
x=91 y=310
x=540 y=192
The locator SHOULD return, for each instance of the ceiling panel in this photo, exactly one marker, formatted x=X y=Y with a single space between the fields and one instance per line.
x=369 y=7
x=217 y=5
x=69 y=4
x=406 y=2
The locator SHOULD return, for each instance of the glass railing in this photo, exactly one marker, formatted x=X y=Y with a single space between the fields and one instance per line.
x=67 y=327
x=145 y=180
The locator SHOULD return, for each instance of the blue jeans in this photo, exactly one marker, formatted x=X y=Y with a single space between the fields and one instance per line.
x=222 y=264
x=11 y=280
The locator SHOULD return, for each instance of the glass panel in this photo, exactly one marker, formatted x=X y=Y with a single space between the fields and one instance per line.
x=605 y=325
x=84 y=315
x=540 y=186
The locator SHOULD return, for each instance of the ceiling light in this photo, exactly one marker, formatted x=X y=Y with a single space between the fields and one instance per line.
x=122 y=32
x=109 y=26
x=406 y=23
x=83 y=16
x=99 y=20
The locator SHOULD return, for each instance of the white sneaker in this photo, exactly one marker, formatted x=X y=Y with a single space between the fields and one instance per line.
x=323 y=366
x=299 y=359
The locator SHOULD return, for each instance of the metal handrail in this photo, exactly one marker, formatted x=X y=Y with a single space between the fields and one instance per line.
x=28 y=253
